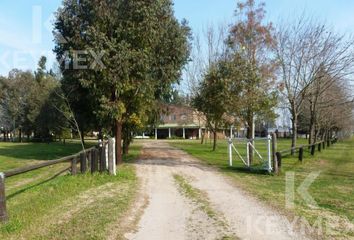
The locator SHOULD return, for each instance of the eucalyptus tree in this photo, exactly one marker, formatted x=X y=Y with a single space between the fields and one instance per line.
x=135 y=49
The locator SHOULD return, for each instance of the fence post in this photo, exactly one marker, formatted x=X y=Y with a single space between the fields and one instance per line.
x=3 y=213
x=301 y=154
x=103 y=167
x=74 y=166
x=230 y=151
x=94 y=161
x=97 y=155
x=248 y=154
x=278 y=157
x=89 y=157
x=269 y=155
x=274 y=155
x=111 y=158
x=107 y=155
x=83 y=166
x=313 y=148
x=319 y=147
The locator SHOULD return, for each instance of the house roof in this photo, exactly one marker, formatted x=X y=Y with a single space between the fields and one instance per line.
x=176 y=125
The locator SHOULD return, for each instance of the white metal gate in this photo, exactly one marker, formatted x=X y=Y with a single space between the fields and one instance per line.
x=266 y=160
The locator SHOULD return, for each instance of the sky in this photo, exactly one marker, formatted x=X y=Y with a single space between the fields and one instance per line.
x=26 y=25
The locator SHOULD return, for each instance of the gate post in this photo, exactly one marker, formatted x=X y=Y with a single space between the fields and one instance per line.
x=103 y=166
x=230 y=152
x=3 y=213
x=274 y=155
x=269 y=155
x=111 y=156
x=248 y=154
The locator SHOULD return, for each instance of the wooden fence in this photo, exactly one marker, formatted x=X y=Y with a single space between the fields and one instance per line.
x=312 y=148
x=100 y=158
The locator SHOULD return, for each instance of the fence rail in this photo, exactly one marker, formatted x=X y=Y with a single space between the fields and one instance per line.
x=99 y=158
x=25 y=169
x=309 y=146
x=300 y=150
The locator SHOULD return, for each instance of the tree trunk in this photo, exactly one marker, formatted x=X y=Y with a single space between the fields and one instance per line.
x=312 y=134
x=125 y=147
x=100 y=134
x=294 y=135
x=326 y=136
x=20 y=135
x=250 y=136
x=317 y=133
x=82 y=137
x=119 y=159
x=215 y=139
x=126 y=142
x=203 y=135
x=312 y=137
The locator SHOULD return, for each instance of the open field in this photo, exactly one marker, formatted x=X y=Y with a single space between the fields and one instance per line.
x=333 y=190
x=45 y=203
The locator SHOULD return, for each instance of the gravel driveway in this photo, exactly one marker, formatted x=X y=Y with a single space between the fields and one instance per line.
x=166 y=212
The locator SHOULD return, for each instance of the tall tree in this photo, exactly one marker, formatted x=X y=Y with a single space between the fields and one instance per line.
x=308 y=52
x=211 y=98
x=327 y=109
x=144 y=49
x=41 y=117
x=255 y=42
x=15 y=99
x=202 y=59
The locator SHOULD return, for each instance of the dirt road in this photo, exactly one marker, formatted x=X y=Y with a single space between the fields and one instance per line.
x=183 y=199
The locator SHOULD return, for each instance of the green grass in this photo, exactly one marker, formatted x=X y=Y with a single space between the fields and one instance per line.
x=194 y=195
x=333 y=190
x=201 y=201
x=50 y=204
x=13 y=155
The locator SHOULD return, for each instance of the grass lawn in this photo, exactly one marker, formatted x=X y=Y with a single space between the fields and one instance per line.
x=13 y=155
x=50 y=204
x=333 y=190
